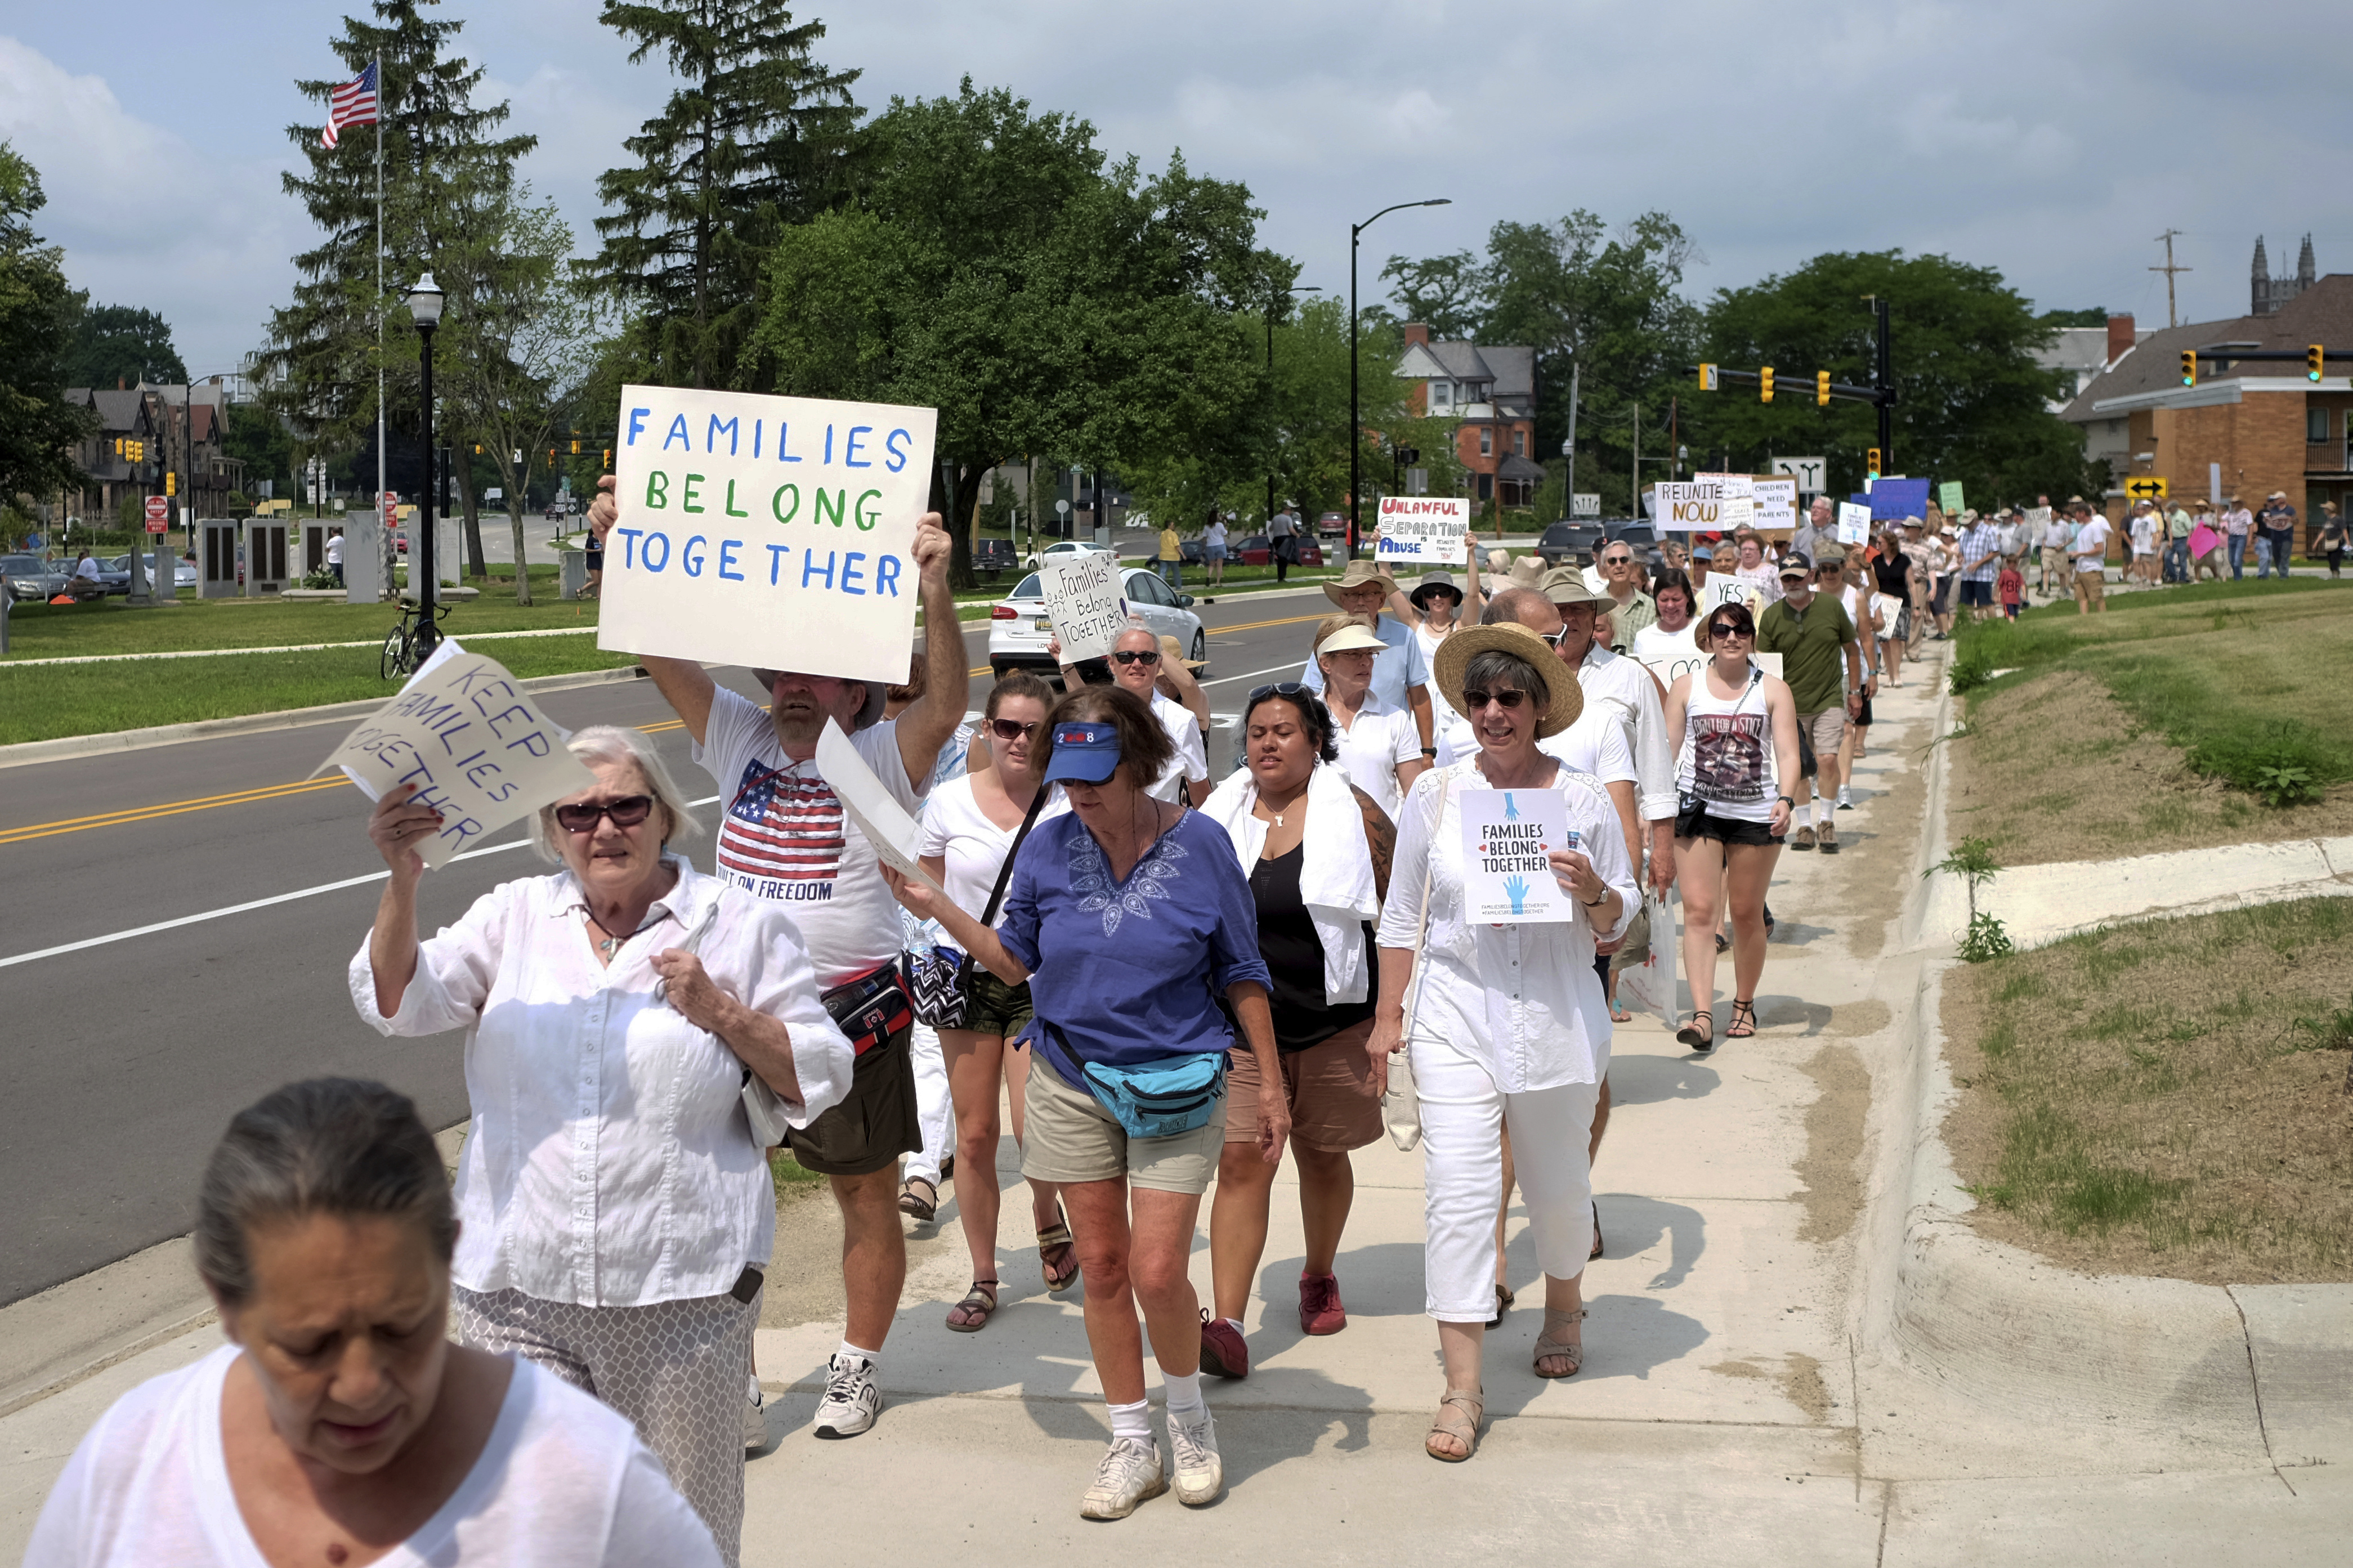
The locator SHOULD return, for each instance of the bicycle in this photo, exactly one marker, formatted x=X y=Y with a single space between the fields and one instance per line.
x=404 y=644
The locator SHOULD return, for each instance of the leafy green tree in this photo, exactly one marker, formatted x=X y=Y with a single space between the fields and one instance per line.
x=1970 y=400
x=260 y=439
x=2094 y=317
x=1447 y=294
x=38 y=311
x=123 y=341
x=752 y=143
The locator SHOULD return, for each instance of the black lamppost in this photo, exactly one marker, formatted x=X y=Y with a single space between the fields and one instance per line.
x=1355 y=436
x=425 y=308
x=1276 y=301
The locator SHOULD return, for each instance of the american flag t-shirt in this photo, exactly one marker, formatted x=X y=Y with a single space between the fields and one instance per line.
x=354 y=104
x=783 y=836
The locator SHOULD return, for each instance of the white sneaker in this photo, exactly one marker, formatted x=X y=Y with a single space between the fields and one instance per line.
x=1193 y=1446
x=755 y=1420
x=1845 y=801
x=1130 y=1474
x=851 y=1400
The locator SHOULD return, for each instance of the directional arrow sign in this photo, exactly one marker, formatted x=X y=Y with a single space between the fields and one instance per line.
x=2146 y=489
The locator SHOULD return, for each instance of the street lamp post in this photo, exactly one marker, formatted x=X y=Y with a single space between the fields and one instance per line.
x=1275 y=302
x=1356 y=439
x=425 y=308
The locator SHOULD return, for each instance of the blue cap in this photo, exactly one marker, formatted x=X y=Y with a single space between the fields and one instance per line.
x=1085 y=754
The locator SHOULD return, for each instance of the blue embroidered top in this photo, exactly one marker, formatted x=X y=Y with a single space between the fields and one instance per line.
x=1131 y=973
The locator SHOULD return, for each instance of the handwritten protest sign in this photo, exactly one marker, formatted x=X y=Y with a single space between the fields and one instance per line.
x=1707 y=503
x=1508 y=836
x=2038 y=518
x=1084 y=601
x=1884 y=608
x=1427 y=531
x=1777 y=502
x=769 y=531
x=1721 y=588
x=2202 y=540
x=869 y=807
x=1853 y=523
x=1735 y=504
x=1949 y=496
x=477 y=749
x=1671 y=666
x=1770 y=663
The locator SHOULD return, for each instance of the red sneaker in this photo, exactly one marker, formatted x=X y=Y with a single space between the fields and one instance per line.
x=1223 y=1353
x=1320 y=1311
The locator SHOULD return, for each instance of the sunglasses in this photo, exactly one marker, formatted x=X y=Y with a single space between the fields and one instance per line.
x=1129 y=656
x=1280 y=688
x=1729 y=631
x=1617 y=561
x=1011 y=728
x=626 y=811
x=1473 y=699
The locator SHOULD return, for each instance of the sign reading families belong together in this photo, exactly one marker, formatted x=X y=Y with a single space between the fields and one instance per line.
x=768 y=531
x=1508 y=837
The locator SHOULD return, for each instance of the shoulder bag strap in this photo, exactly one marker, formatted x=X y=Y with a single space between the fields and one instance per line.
x=1421 y=927
x=1004 y=872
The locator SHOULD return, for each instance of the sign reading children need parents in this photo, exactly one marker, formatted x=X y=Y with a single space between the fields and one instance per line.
x=767 y=530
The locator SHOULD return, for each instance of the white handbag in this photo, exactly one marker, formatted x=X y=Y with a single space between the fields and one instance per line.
x=1400 y=1108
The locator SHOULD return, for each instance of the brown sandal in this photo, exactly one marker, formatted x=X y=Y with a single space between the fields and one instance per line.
x=1570 y=1351
x=1463 y=1428
x=1503 y=1300
x=922 y=1207
x=1058 y=1255
x=975 y=1309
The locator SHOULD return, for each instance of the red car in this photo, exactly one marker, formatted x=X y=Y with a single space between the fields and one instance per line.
x=1254 y=551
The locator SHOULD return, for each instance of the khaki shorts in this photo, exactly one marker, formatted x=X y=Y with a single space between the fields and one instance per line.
x=1070 y=1137
x=1328 y=1088
x=1825 y=729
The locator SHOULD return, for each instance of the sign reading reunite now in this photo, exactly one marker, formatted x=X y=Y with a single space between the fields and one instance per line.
x=770 y=531
x=1430 y=531
x=479 y=750
x=1508 y=837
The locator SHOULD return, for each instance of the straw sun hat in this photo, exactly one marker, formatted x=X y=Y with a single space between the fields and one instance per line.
x=1358 y=573
x=1564 y=698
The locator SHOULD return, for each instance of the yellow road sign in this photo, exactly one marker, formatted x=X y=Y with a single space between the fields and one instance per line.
x=2145 y=489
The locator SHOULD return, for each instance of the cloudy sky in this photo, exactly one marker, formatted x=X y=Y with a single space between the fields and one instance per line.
x=2052 y=142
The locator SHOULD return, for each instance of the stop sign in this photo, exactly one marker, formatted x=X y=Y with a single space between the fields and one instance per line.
x=159 y=514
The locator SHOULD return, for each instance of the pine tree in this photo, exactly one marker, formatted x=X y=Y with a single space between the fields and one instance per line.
x=755 y=139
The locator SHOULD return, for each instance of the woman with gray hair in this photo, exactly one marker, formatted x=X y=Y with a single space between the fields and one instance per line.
x=623 y=1018
x=339 y=1424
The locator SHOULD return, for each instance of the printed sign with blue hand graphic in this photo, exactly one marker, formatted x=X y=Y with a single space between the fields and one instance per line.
x=1508 y=837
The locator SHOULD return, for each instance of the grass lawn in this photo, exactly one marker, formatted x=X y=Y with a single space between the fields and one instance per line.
x=2193 y=716
x=2166 y=1099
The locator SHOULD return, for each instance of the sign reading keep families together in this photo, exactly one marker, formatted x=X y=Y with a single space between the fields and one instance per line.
x=769 y=531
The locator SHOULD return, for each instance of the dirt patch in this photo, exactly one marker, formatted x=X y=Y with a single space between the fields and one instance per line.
x=2161 y=1099
x=2055 y=769
x=1802 y=1386
x=1857 y=1019
x=1834 y=1123
x=1874 y=877
x=1737 y=1369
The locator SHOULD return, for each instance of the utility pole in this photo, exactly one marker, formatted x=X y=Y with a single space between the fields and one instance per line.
x=2169 y=269
x=1634 y=485
x=1568 y=447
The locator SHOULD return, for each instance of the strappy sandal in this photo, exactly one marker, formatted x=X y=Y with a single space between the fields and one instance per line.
x=1054 y=1242
x=1503 y=1300
x=1744 y=1020
x=1698 y=1036
x=1619 y=1012
x=979 y=1303
x=1597 y=1233
x=1722 y=942
x=923 y=1206
x=1548 y=1347
x=1462 y=1427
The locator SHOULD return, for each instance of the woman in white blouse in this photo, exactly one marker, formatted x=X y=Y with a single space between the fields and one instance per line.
x=617 y=1211
x=1380 y=746
x=1505 y=1023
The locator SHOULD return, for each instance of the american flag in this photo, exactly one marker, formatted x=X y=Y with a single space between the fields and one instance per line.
x=782 y=825
x=354 y=104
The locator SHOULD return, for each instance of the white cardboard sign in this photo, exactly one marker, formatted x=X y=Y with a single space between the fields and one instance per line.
x=768 y=531
x=477 y=749
x=1853 y=522
x=1508 y=836
x=1428 y=530
x=1084 y=601
x=1673 y=667
x=1777 y=502
x=1722 y=588
x=1884 y=608
x=869 y=805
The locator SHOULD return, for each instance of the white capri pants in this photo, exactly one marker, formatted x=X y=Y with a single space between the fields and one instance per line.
x=1462 y=1117
x=932 y=1109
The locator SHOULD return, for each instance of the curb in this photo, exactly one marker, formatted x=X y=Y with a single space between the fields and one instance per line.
x=26 y=753
x=2041 y=904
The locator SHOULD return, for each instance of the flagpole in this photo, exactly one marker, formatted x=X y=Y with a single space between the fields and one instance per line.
x=383 y=522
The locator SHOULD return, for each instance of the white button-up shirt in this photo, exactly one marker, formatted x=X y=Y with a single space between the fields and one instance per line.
x=1520 y=999
x=1624 y=686
x=609 y=1163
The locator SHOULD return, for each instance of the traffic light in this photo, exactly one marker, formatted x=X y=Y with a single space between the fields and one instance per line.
x=1765 y=385
x=1821 y=389
x=608 y=459
x=1707 y=378
x=2315 y=363
x=2189 y=367
x=117 y=447
x=172 y=484
x=575 y=446
x=1871 y=462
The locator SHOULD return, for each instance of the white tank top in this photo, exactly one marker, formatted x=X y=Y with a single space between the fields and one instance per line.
x=1726 y=759
x=1441 y=712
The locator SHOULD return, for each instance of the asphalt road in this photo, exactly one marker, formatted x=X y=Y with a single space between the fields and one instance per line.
x=124 y=1059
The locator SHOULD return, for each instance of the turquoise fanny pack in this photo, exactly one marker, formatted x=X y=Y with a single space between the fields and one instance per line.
x=1162 y=1098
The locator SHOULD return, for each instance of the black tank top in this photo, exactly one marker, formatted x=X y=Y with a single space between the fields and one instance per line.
x=1294 y=958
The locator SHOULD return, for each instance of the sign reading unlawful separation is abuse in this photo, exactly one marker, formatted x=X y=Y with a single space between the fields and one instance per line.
x=770 y=531
x=1430 y=531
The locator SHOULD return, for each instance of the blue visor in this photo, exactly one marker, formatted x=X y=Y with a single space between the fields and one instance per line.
x=1085 y=754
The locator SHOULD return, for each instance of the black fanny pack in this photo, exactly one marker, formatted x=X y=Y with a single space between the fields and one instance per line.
x=871 y=1008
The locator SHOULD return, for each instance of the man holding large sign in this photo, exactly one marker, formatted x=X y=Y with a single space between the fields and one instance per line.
x=840 y=609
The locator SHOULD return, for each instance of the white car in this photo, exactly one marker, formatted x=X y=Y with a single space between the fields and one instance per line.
x=1019 y=631
x=1064 y=547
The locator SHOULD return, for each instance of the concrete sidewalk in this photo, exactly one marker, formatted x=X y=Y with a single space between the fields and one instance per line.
x=1729 y=1406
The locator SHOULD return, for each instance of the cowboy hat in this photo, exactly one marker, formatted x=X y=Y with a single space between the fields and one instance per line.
x=1360 y=573
x=1171 y=650
x=1349 y=638
x=1564 y=698
x=1566 y=585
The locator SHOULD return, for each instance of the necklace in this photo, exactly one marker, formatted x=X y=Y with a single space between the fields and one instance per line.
x=612 y=944
x=1269 y=808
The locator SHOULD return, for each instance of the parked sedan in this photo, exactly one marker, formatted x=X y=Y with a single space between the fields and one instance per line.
x=1258 y=550
x=32 y=578
x=184 y=573
x=1063 y=547
x=1570 y=543
x=1019 y=629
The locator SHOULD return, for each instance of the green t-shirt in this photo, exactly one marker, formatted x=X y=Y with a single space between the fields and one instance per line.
x=1812 y=661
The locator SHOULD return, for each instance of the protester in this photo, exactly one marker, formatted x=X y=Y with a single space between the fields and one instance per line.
x=335 y=556
x=2090 y=552
x=2276 y=522
x=1213 y=547
x=784 y=837
x=1401 y=670
x=2141 y=529
x=2237 y=524
x=2206 y=563
x=1140 y=663
x=628 y=1263
x=1317 y=851
x=1488 y=1052
x=1943 y=563
x=1891 y=574
x=2011 y=587
x=1630 y=609
x=1843 y=576
x=2056 y=577
x=1980 y=563
x=1282 y=542
x=1735 y=732
x=1434 y=609
x=1754 y=569
x=1817 y=531
x=340 y=1424
x=2330 y=542
x=1822 y=666
x=1149 y=918
x=1670 y=637
x=922 y=1171
x=1377 y=748
x=1702 y=559
x=2176 y=543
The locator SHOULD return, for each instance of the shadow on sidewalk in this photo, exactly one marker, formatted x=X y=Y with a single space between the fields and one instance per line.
x=1647 y=1080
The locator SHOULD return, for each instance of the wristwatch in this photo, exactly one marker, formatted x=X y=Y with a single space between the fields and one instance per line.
x=1785 y=800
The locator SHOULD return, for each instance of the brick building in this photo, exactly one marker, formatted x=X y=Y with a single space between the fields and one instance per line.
x=2262 y=424
x=184 y=430
x=1491 y=394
